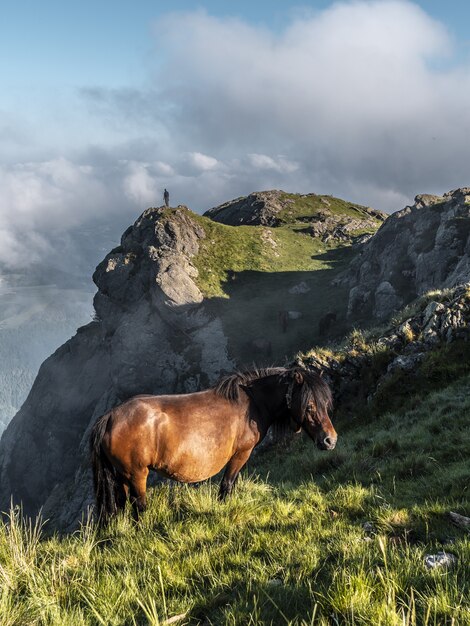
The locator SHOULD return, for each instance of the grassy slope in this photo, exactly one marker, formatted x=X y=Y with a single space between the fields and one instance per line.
x=305 y=206
x=288 y=548
x=246 y=272
x=242 y=248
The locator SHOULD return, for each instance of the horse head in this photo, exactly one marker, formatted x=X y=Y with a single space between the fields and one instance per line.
x=308 y=400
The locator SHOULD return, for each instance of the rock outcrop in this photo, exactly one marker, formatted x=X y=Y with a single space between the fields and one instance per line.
x=318 y=213
x=258 y=208
x=151 y=335
x=422 y=247
x=361 y=370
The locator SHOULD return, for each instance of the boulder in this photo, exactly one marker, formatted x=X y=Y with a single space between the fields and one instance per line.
x=423 y=247
x=386 y=300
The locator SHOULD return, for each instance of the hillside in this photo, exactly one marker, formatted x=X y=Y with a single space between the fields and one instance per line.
x=309 y=537
x=180 y=301
x=272 y=276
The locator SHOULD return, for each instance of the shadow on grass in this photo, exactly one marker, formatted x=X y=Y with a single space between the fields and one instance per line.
x=269 y=316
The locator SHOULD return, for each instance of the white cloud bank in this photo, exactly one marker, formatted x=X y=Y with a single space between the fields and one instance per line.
x=363 y=100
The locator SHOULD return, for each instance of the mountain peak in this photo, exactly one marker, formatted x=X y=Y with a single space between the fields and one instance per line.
x=276 y=208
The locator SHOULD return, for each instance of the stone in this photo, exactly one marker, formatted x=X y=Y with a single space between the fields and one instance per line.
x=386 y=300
x=360 y=301
x=445 y=560
x=406 y=363
x=430 y=313
x=460 y=520
x=405 y=331
x=359 y=241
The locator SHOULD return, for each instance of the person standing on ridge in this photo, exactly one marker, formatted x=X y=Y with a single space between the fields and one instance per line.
x=166 y=197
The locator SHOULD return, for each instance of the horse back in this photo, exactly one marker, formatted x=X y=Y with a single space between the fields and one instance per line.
x=157 y=431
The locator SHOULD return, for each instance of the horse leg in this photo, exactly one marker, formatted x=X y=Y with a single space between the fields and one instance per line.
x=138 y=488
x=122 y=493
x=232 y=470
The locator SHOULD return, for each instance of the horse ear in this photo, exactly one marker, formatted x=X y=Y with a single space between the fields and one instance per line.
x=247 y=390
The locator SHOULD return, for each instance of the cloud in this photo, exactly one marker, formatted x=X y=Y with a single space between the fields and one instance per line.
x=361 y=98
x=202 y=162
x=364 y=100
x=353 y=94
x=265 y=162
x=139 y=185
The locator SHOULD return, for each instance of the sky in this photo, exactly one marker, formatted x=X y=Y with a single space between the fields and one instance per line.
x=104 y=104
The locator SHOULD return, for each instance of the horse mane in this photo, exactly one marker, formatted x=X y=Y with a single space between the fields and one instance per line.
x=228 y=387
x=314 y=389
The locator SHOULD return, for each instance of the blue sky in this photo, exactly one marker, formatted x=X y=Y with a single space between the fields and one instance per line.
x=58 y=44
x=102 y=104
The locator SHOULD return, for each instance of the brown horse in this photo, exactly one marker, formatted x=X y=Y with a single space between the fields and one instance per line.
x=193 y=436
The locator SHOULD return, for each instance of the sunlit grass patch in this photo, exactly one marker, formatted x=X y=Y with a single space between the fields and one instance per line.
x=308 y=537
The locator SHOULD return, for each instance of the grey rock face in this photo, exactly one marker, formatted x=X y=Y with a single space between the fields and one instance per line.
x=152 y=334
x=386 y=300
x=420 y=248
x=258 y=208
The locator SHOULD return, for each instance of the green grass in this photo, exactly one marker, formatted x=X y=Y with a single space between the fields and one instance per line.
x=284 y=248
x=230 y=250
x=288 y=548
x=246 y=274
x=310 y=205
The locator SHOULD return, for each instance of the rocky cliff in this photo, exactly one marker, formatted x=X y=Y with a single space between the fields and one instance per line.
x=151 y=335
x=424 y=246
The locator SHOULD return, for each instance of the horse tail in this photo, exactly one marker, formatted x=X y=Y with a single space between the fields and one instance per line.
x=104 y=474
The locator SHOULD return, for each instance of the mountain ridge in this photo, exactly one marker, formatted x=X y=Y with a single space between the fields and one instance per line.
x=163 y=327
